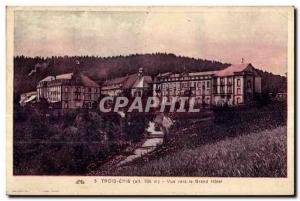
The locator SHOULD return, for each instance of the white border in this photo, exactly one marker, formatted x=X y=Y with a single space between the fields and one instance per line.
x=4 y=3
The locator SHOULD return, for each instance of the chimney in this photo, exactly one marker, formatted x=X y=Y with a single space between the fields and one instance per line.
x=76 y=72
x=77 y=67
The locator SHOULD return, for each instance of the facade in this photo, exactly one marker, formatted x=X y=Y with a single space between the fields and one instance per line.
x=198 y=85
x=130 y=85
x=234 y=85
x=68 y=91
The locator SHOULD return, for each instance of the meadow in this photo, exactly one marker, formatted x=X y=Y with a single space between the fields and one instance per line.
x=261 y=154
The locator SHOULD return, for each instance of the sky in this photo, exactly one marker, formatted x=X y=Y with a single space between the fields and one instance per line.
x=258 y=36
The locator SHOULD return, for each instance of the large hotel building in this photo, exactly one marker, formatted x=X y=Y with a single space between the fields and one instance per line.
x=233 y=85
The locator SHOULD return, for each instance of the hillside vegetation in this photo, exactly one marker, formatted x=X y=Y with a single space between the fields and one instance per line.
x=261 y=154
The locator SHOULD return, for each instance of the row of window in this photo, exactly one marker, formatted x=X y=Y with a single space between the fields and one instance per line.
x=80 y=96
x=67 y=104
x=185 y=78
x=223 y=81
x=227 y=81
x=175 y=92
x=198 y=99
x=82 y=89
x=186 y=84
x=228 y=90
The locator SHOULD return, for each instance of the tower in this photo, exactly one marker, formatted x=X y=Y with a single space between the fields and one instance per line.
x=140 y=73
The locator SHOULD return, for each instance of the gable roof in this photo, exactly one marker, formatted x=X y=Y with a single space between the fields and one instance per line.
x=143 y=82
x=130 y=81
x=235 y=68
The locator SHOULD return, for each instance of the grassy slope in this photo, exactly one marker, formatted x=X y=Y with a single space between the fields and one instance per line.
x=253 y=155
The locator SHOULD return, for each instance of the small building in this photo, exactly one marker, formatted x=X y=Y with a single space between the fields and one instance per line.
x=29 y=97
x=68 y=91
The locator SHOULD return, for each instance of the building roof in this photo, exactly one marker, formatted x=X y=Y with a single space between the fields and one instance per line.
x=203 y=73
x=143 y=82
x=167 y=74
x=235 y=68
x=119 y=80
x=84 y=80
x=128 y=81
x=66 y=76
x=174 y=75
x=230 y=70
x=47 y=79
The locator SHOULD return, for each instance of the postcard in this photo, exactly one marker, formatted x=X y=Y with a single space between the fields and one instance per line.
x=150 y=101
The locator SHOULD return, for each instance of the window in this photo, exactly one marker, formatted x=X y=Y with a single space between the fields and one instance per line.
x=215 y=81
x=215 y=89
x=222 y=81
x=238 y=82
x=229 y=89
x=238 y=100
x=207 y=84
x=238 y=91
x=222 y=89
x=249 y=84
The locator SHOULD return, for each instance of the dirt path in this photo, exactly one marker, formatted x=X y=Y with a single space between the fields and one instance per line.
x=154 y=138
